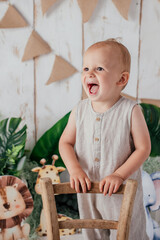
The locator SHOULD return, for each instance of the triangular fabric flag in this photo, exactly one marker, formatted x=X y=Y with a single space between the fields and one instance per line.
x=123 y=7
x=61 y=70
x=87 y=7
x=35 y=47
x=46 y=4
x=12 y=19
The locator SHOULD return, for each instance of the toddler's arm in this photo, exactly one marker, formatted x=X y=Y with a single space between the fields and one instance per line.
x=142 y=145
x=66 y=148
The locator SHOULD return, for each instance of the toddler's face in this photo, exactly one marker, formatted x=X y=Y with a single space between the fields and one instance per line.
x=102 y=70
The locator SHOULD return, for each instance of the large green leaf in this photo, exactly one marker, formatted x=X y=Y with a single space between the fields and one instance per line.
x=12 y=145
x=152 y=117
x=47 y=145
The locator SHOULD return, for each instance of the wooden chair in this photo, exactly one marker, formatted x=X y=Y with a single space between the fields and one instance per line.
x=53 y=226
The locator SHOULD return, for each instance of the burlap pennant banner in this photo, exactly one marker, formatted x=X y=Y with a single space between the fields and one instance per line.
x=12 y=19
x=87 y=8
x=35 y=47
x=123 y=7
x=61 y=70
x=46 y=4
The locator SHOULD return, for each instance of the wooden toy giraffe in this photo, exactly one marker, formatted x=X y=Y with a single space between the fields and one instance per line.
x=47 y=171
x=52 y=172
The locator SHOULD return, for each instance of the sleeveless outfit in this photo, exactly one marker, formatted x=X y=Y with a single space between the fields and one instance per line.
x=103 y=144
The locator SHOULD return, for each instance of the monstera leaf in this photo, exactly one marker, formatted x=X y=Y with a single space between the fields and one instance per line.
x=47 y=145
x=12 y=145
x=152 y=117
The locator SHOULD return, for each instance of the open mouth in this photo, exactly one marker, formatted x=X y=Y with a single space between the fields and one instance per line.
x=93 y=88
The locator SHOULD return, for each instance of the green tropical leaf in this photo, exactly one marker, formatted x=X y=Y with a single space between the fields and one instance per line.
x=12 y=144
x=47 y=145
x=13 y=124
x=152 y=117
x=13 y=153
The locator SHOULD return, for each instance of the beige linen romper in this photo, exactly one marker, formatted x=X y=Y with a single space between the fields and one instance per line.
x=103 y=143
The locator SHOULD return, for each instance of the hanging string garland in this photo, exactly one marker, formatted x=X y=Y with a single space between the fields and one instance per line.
x=36 y=46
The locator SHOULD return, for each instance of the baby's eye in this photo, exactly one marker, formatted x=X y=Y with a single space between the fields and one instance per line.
x=100 y=69
x=85 y=69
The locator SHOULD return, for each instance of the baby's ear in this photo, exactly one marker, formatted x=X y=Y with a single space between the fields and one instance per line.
x=124 y=79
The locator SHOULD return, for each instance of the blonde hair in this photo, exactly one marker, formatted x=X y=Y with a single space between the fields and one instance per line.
x=125 y=55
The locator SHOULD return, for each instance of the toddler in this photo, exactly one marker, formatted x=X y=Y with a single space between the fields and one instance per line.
x=106 y=140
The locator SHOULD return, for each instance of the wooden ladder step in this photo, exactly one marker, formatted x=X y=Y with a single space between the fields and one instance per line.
x=88 y=223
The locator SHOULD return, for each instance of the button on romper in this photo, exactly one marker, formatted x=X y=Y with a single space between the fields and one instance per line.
x=103 y=144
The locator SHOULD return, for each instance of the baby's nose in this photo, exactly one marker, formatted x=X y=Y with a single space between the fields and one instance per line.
x=91 y=74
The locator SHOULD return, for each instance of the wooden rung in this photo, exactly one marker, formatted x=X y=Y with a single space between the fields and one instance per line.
x=63 y=188
x=88 y=223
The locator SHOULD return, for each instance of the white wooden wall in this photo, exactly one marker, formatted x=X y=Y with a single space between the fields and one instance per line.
x=23 y=89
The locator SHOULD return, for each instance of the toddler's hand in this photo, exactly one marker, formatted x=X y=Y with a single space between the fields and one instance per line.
x=80 y=179
x=110 y=184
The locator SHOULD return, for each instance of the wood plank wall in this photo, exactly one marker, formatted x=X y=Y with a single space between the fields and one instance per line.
x=23 y=90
